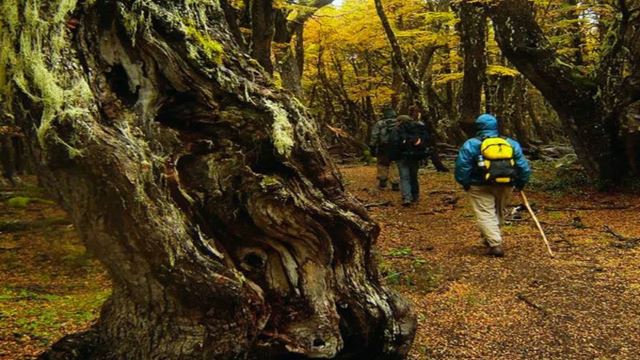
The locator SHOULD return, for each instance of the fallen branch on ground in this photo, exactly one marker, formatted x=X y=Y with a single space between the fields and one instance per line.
x=626 y=242
x=378 y=204
x=20 y=225
x=617 y=235
x=433 y=192
x=532 y=304
x=5 y=246
x=397 y=273
x=589 y=208
x=563 y=239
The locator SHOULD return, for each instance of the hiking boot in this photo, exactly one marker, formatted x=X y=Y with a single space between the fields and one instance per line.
x=382 y=184
x=496 y=251
x=395 y=186
x=406 y=203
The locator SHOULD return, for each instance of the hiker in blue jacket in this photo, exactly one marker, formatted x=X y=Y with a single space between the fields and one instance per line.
x=489 y=196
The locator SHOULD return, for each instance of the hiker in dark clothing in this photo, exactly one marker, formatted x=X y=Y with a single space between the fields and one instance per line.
x=409 y=147
x=379 y=146
x=488 y=166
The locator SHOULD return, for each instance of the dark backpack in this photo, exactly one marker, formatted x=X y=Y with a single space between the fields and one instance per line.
x=412 y=140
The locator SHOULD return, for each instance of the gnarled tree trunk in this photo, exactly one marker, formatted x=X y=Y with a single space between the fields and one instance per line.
x=590 y=107
x=205 y=192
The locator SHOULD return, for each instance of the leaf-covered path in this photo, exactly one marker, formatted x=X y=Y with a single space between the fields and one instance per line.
x=49 y=285
x=582 y=304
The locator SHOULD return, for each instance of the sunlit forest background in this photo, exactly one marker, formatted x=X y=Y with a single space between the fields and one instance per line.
x=349 y=74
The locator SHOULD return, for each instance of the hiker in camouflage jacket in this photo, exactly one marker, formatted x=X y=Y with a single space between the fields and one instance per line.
x=379 y=145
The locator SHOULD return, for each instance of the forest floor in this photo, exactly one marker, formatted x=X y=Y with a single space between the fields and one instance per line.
x=582 y=304
x=49 y=285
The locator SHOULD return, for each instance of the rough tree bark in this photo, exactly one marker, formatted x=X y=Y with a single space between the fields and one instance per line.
x=589 y=107
x=290 y=62
x=412 y=85
x=203 y=190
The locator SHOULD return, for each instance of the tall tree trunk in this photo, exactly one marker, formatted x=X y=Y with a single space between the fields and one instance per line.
x=447 y=69
x=290 y=54
x=203 y=190
x=233 y=17
x=412 y=85
x=289 y=70
x=490 y=92
x=397 y=84
x=576 y=29
x=515 y=113
x=588 y=109
x=289 y=31
x=7 y=154
x=472 y=28
x=540 y=128
x=262 y=32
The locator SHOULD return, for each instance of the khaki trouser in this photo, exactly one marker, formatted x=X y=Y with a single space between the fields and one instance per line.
x=386 y=171
x=489 y=203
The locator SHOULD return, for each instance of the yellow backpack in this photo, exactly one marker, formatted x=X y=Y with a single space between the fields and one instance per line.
x=497 y=161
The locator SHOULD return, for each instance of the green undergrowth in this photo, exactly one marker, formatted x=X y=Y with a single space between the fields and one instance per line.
x=23 y=201
x=368 y=158
x=16 y=225
x=401 y=268
x=558 y=179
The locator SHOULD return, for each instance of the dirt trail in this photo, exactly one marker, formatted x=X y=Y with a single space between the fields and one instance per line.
x=582 y=304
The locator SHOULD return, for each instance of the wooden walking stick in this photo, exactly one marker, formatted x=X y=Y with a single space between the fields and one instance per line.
x=544 y=237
